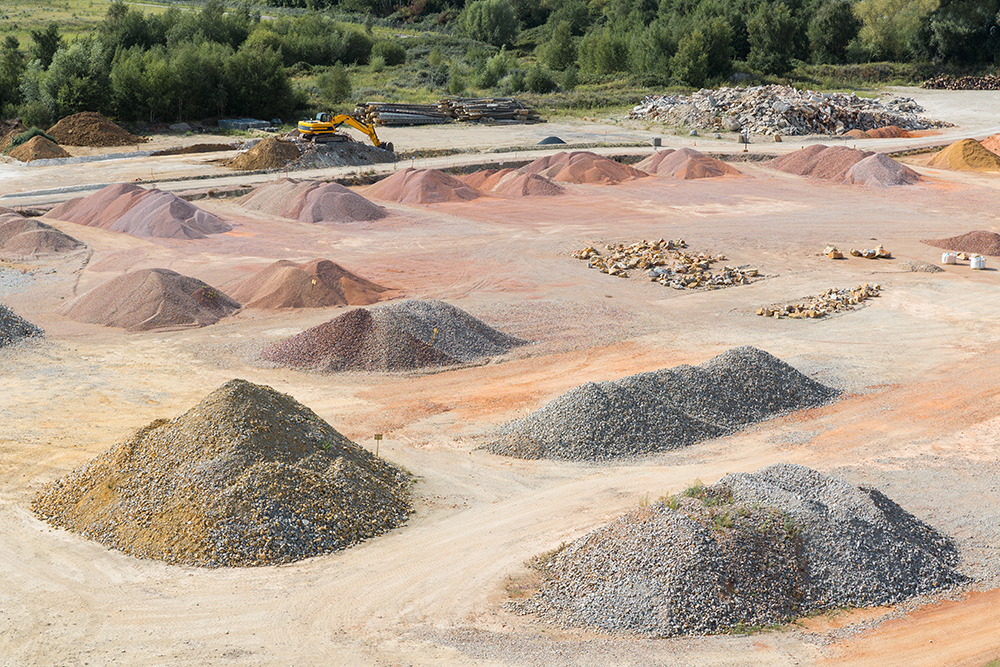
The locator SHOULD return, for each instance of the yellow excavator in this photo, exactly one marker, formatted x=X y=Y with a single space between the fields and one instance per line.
x=323 y=128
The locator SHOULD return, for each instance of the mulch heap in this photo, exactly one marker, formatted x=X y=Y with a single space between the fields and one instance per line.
x=88 y=128
x=316 y=284
x=686 y=164
x=151 y=299
x=407 y=335
x=966 y=155
x=37 y=148
x=755 y=549
x=846 y=165
x=247 y=477
x=28 y=237
x=14 y=328
x=130 y=209
x=311 y=201
x=978 y=242
x=269 y=153
x=582 y=167
x=662 y=410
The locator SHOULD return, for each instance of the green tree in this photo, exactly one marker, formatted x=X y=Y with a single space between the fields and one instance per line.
x=560 y=52
x=690 y=64
x=604 y=51
x=490 y=21
x=771 y=31
x=965 y=32
x=334 y=86
x=392 y=52
x=12 y=64
x=888 y=27
x=832 y=28
x=45 y=43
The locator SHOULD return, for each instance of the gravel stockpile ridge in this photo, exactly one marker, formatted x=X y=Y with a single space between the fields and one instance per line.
x=88 y=128
x=582 y=167
x=421 y=186
x=319 y=283
x=662 y=410
x=247 y=477
x=686 y=164
x=405 y=335
x=28 y=237
x=755 y=549
x=151 y=299
x=14 y=328
x=978 y=242
x=311 y=201
x=513 y=183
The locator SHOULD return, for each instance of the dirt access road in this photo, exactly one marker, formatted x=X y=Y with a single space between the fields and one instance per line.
x=918 y=420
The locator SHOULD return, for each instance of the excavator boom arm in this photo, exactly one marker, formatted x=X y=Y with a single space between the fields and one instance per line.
x=324 y=124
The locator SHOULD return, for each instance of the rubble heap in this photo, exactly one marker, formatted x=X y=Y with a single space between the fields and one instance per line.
x=666 y=262
x=784 y=110
x=831 y=301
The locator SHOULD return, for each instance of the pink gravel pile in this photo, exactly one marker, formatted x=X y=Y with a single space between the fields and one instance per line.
x=582 y=167
x=130 y=209
x=151 y=299
x=311 y=201
x=841 y=164
x=513 y=183
x=316 y=284
x=27 y=237
x=421 y=186
x=686 y=163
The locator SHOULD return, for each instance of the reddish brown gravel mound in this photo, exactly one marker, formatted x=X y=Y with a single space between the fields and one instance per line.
x=513 y=183
x=966 y=155
x=37 y=148
x=151 y=299
x=889 y=132
x=980 y=242
x=582 y=167
x=130 y=209
x=405 y=335
x=270 y=153
x=827 y=162
x=686 y=164
x=28 y=237
x=421 y=186
x=992 y=144
x=880 y=171
x=311 y=201
x=316 y=284
x=92 y=129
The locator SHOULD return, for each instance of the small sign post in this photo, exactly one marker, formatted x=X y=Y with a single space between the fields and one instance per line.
x=378 y=439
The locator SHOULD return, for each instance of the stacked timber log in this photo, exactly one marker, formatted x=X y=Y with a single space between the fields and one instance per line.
x=493 y=109
x=490 y=109
x=946 y=82
x=385 y=113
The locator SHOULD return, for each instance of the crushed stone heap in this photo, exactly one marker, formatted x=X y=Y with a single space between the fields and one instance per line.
x=405 y=335
x=88 y=128
x=775 y=109
x=513 y=183
x=686 y=164
x=151 y=299
x=311 y=201
x=130 y=209
x=582 y=167
x=755 y=549
x=662 y=410
x=28 y=237
x=841 y=164
x=421 y=186
x=316 y=284
x=14 y=328
x=247 y=477
x=978 y=242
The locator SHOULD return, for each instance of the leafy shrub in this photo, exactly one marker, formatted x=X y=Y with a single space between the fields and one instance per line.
x=334 y=85
x=28 y=135
x=392 y=53
x=490 y=21
x=539 y=81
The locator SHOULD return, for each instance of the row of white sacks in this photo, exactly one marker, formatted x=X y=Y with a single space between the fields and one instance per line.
x=975 y=261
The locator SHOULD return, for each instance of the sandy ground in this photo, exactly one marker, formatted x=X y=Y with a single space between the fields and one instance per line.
x=918 y=419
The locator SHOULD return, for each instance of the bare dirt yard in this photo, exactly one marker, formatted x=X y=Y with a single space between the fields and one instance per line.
x=919 y=417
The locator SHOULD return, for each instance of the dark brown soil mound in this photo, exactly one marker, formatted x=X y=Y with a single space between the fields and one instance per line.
x=8 y=130
x=827 y=162
x=151 y=299
x=37 y=148
x=247 y=477
x=582 y=167
x=311 y=201
x=92 y=129
x=270 y=153
x=421 y=186
x=686 y=164
x=880 y=171
x=130 y=209
x=28 y=237
x=400 y=336
x=196 y=148
x=316 y=284
x=980 y=242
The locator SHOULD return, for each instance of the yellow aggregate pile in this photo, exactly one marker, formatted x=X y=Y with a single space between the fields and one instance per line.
x=829 y=302
x=667 y=263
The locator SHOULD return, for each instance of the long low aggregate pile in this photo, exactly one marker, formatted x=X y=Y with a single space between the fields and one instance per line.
x=130 y=209
x=247 y=477
x=756 y=549
x=582 y=167
x=686 y=164
x=513 y=183
x=14 y=328
x=978 y=242
x=399 y=336
x=28 y=237
x=151 y=299
x=319 y=283
x=311 y=201
x=662 y=410
x=421 y=186
x=841 y=164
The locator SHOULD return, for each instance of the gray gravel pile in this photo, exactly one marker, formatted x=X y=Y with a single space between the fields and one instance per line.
x=755 y=549
x=403 y=335
x=14 y=328
x=663 y=409
x=249 y=476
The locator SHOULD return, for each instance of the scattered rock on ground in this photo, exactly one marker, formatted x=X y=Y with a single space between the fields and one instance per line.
x=919 y=267
x=831 y=301
x=247 y=477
